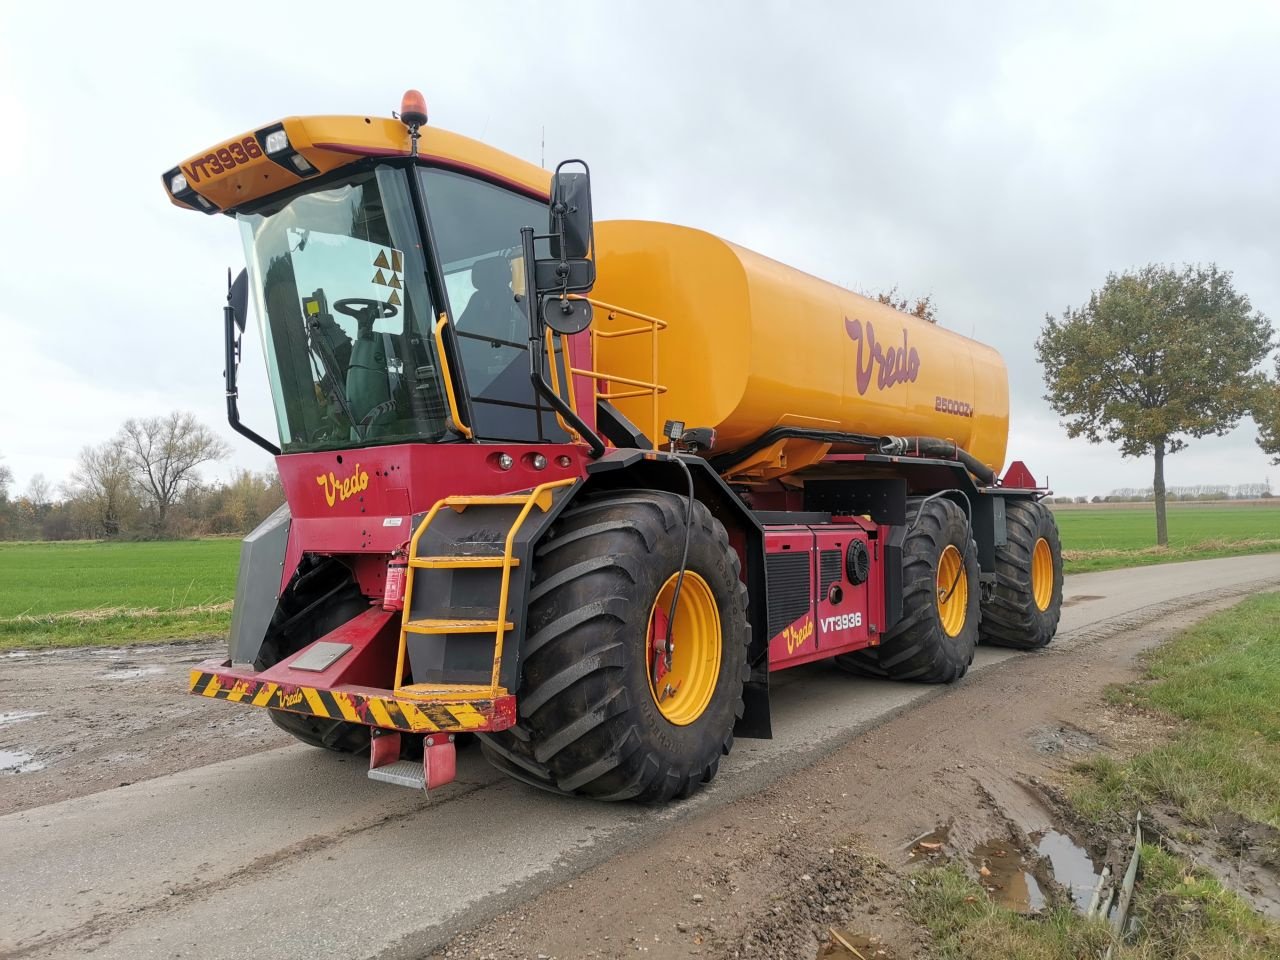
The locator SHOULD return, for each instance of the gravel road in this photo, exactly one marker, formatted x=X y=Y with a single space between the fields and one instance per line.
x=145 y=823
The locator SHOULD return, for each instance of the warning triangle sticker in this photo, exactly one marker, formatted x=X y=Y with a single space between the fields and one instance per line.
x=382 y=260
x=380 y=279
x=394 y=299
x=395 y=282
x=397 y=260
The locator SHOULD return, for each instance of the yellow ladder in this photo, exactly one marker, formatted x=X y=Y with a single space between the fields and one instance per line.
x=541 y=497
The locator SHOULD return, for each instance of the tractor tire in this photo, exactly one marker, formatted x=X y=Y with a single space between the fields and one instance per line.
x=935 y=639
x=1025 y=605
x=336 y=735
x=591 y=721
x=321 y=597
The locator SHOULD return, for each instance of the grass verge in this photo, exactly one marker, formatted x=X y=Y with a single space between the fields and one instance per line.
x=1221 y=681
x=1219 y=684
x=1090 y=561
x=1183 y=914
x=113 y=626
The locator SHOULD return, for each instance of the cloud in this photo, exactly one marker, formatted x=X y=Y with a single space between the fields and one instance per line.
x=1002 y=158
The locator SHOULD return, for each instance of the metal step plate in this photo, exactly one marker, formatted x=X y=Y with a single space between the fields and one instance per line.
x=403 y=773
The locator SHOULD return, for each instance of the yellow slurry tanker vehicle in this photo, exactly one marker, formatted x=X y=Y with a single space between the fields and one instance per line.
x=579 y=488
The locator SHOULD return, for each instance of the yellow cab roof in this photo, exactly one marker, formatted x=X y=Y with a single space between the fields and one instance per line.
x=239 y=171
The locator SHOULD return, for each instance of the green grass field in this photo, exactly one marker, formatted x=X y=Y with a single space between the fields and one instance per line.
x=1124 y=535
x=68 y=594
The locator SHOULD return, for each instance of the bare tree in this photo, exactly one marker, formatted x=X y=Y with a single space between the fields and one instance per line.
x=102 y=480
x=6 y=479
x=163 y=454
x=39 y=492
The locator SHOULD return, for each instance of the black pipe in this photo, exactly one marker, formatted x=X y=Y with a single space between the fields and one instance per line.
x=233 y=394
x=726 y=460
x=928 y=447
x=942 y=450
x=535 y=353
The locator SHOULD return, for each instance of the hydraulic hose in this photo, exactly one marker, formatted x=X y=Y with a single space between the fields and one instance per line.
x=941 y=449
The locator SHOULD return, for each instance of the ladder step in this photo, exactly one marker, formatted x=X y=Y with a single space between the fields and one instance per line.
x=403 y=773
x=460 y=563
x=450 y=692
x=454 y=626
x=516 y=500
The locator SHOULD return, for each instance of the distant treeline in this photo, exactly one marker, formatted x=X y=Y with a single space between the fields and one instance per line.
x=1239 y=491
x=143 y=483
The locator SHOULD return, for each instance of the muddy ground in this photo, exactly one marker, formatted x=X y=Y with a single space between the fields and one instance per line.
x=971 y=776
x=74 y=722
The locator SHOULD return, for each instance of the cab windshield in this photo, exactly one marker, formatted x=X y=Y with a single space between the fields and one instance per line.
x=347 y=320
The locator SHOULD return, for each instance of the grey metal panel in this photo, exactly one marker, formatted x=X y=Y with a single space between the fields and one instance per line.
x=258 y=585
x=320 y=656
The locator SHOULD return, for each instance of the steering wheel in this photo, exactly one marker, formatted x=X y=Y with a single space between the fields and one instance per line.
x=364 y=308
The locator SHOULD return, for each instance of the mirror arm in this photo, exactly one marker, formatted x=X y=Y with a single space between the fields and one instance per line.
x=233 y=394
x=540 y=384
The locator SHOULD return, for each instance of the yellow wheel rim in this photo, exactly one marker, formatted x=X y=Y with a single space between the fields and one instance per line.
x=683 y=692
x=1042 y=574
x=953 y=591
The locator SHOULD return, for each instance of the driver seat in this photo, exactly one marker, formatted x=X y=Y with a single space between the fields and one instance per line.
x=492 y=310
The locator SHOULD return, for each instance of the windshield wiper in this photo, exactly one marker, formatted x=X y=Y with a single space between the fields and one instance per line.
x=319 y=345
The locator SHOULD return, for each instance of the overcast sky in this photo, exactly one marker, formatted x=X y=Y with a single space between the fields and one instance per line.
x=1000 y=157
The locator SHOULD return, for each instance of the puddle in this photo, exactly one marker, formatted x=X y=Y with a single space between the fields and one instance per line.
x=846 y=945
x=1073 y=868
x=17 y=716
x=1006 y=877
x=15 y=761
x=1080 y=598
x=131 y=673
x=929 y=846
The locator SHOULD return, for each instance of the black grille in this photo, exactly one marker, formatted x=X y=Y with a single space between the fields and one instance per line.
x=829 y=567
x=789 y=596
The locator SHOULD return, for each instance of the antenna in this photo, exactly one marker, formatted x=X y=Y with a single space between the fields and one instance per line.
x=544 y=147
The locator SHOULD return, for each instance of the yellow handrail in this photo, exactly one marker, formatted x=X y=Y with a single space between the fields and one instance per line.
x=536 y=498
x=447 y=377
x=649 y=388
x=542 y=497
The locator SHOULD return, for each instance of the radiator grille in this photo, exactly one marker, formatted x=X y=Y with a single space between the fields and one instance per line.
x=789 y=594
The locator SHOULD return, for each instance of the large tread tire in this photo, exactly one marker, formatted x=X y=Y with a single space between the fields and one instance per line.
x=336 y=735
x=321 y=597
x=587 y=722
x=918 y=648
x=1010 y=615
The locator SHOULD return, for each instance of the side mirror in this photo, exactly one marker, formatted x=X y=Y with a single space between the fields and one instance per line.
x=238 y=298
x=570 y=268
x=571 y=227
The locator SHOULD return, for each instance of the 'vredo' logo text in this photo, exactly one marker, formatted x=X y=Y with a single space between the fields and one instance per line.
x=335 y=489
x=891 y=365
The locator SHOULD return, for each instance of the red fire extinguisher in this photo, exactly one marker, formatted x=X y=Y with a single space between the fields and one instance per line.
x=393 y=595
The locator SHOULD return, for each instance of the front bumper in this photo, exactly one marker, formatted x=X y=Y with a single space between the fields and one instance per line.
x=371 y=706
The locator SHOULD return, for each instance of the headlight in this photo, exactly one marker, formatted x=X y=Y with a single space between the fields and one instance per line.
x=276 y=141
x=177 y=184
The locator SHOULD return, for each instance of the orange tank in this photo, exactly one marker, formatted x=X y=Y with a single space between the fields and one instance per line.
x=752 y=344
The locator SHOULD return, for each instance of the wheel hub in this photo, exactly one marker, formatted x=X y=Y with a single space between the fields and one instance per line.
x=683 y=657
x=953 y=591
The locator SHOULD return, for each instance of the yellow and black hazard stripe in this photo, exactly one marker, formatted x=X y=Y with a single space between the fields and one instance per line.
x=375 y=711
